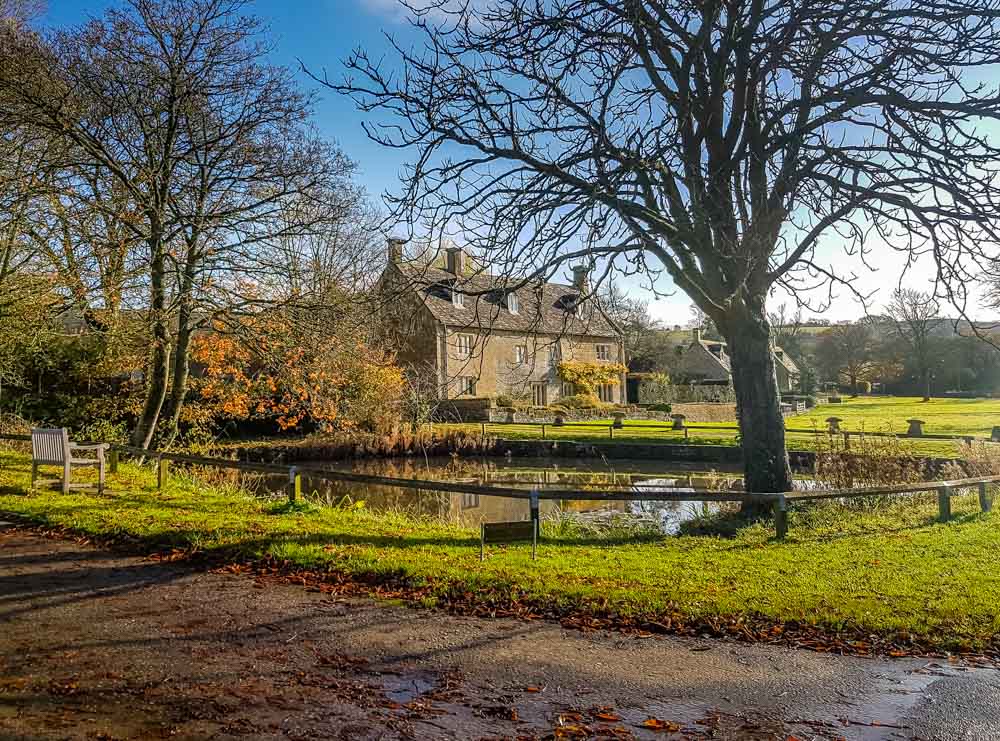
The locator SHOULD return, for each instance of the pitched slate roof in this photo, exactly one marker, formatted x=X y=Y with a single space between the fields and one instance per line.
x=785 y=359
x=542 y=307
x=722 y=359
x=780 y=356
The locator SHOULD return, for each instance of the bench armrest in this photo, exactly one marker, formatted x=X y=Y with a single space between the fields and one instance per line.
x=89 y=446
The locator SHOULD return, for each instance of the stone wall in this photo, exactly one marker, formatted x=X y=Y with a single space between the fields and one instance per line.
x=651 y=392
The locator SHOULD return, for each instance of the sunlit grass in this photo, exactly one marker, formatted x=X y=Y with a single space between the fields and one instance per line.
x=886 y=570
x=862 y=414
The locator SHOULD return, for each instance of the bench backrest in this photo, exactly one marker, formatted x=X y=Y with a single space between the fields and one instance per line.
x=50 y=446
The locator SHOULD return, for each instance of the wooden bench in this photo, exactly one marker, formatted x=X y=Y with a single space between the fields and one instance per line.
x=51 y=447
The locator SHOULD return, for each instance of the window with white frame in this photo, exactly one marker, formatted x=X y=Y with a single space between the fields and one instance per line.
x=466 y=386
x=606 y=393
x=513 y=306
x=520 y=354
x=470 y=501
x=464 y=345
x=457 y=298
x=603 y=352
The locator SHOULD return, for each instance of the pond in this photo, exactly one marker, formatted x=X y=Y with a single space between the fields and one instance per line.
x=472 y=509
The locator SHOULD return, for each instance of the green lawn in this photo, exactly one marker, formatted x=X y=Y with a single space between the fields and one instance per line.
x=889 y=414
x=887 y=572
x=871 y=414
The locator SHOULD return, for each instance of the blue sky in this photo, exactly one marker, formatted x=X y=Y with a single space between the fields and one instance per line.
x=321 y=33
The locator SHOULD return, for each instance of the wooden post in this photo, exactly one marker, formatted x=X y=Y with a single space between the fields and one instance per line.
x=985 y=498
x=484 y=430
x=847 y=441
x=611 y=431
x=294 y=484
x=780 y=517
x=944 y=504
x=161 y=471
x=543 y=430
x=113 y=460
x=536 y=521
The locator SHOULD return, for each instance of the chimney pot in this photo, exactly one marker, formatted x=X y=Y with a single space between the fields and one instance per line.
x=581 y=278
x=455 y=260
x=395 y=250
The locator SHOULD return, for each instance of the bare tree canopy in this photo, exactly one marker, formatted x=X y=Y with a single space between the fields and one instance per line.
x=185 y=153
x=718 y=141
x=914 y=317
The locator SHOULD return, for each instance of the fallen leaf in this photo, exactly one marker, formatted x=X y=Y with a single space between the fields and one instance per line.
x=655 y=724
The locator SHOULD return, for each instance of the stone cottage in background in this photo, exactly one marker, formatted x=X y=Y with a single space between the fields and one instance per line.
x=475 y=336
x=706 y=362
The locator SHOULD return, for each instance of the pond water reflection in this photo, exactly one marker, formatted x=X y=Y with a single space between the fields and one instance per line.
x=526 y=474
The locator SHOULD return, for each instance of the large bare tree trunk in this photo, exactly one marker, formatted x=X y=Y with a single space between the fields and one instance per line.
x=758 y=405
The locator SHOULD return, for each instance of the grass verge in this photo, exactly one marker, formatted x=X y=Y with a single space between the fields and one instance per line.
x=881 y=580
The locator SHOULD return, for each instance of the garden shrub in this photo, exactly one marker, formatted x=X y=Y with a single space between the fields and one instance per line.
x=581 y=401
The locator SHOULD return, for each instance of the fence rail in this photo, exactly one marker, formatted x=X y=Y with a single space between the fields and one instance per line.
x=778 y=501
x=684 y=430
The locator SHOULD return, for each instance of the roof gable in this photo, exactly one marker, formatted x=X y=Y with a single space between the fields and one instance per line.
x=542 y=308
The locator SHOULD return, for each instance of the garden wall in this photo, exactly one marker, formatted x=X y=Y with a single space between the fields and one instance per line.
x=651 y=392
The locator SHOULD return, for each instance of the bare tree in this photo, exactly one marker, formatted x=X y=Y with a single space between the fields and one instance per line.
x=208 y=142
x=718 y=141
x=914 y=316
x=639 y=330
x=848 y=352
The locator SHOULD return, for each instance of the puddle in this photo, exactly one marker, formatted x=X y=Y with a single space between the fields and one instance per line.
x=404 y=689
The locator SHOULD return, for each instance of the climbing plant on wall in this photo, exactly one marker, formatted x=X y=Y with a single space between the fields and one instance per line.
x=588 y=376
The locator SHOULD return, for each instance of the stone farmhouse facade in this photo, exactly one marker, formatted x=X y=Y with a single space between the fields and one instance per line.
x=476 y=336
x=706 y=361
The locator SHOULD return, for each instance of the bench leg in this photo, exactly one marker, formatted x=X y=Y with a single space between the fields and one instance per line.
x=100 y=476
x=65 y=480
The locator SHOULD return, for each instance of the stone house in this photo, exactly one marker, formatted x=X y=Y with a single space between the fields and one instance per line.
x=476 y=336
x=706 y=361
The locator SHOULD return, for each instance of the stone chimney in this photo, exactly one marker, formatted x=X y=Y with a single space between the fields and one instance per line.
x=455 y=260
x=581 y=278
x=696 y=334
x=395 y=250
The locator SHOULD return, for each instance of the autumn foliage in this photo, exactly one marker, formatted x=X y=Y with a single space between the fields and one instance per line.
x=268 y=370
x=588 y=376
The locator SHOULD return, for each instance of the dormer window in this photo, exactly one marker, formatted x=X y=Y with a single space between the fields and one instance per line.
x=513 y=306
x=457 y=298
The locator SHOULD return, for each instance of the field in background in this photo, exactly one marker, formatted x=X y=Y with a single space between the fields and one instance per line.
x=863 y=414
x=889 y=414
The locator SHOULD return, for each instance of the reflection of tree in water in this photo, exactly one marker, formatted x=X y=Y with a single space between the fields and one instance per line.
x=471 y=509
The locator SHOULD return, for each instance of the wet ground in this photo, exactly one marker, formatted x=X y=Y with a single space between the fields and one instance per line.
x=100 y=646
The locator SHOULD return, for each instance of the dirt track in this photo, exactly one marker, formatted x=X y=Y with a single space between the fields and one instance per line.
x=100 y=646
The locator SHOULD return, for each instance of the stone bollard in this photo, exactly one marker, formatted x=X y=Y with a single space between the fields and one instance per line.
x=619 y=419
x=995 y=435
x=678 y=421
x=916 y=428
x=511 y=416
x=560 y=419
x=833 y=424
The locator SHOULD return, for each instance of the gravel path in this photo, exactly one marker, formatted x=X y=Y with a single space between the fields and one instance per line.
x=100 y=646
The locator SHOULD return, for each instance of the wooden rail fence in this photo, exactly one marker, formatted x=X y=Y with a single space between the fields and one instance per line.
x=777 y=501
x=685 y=430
